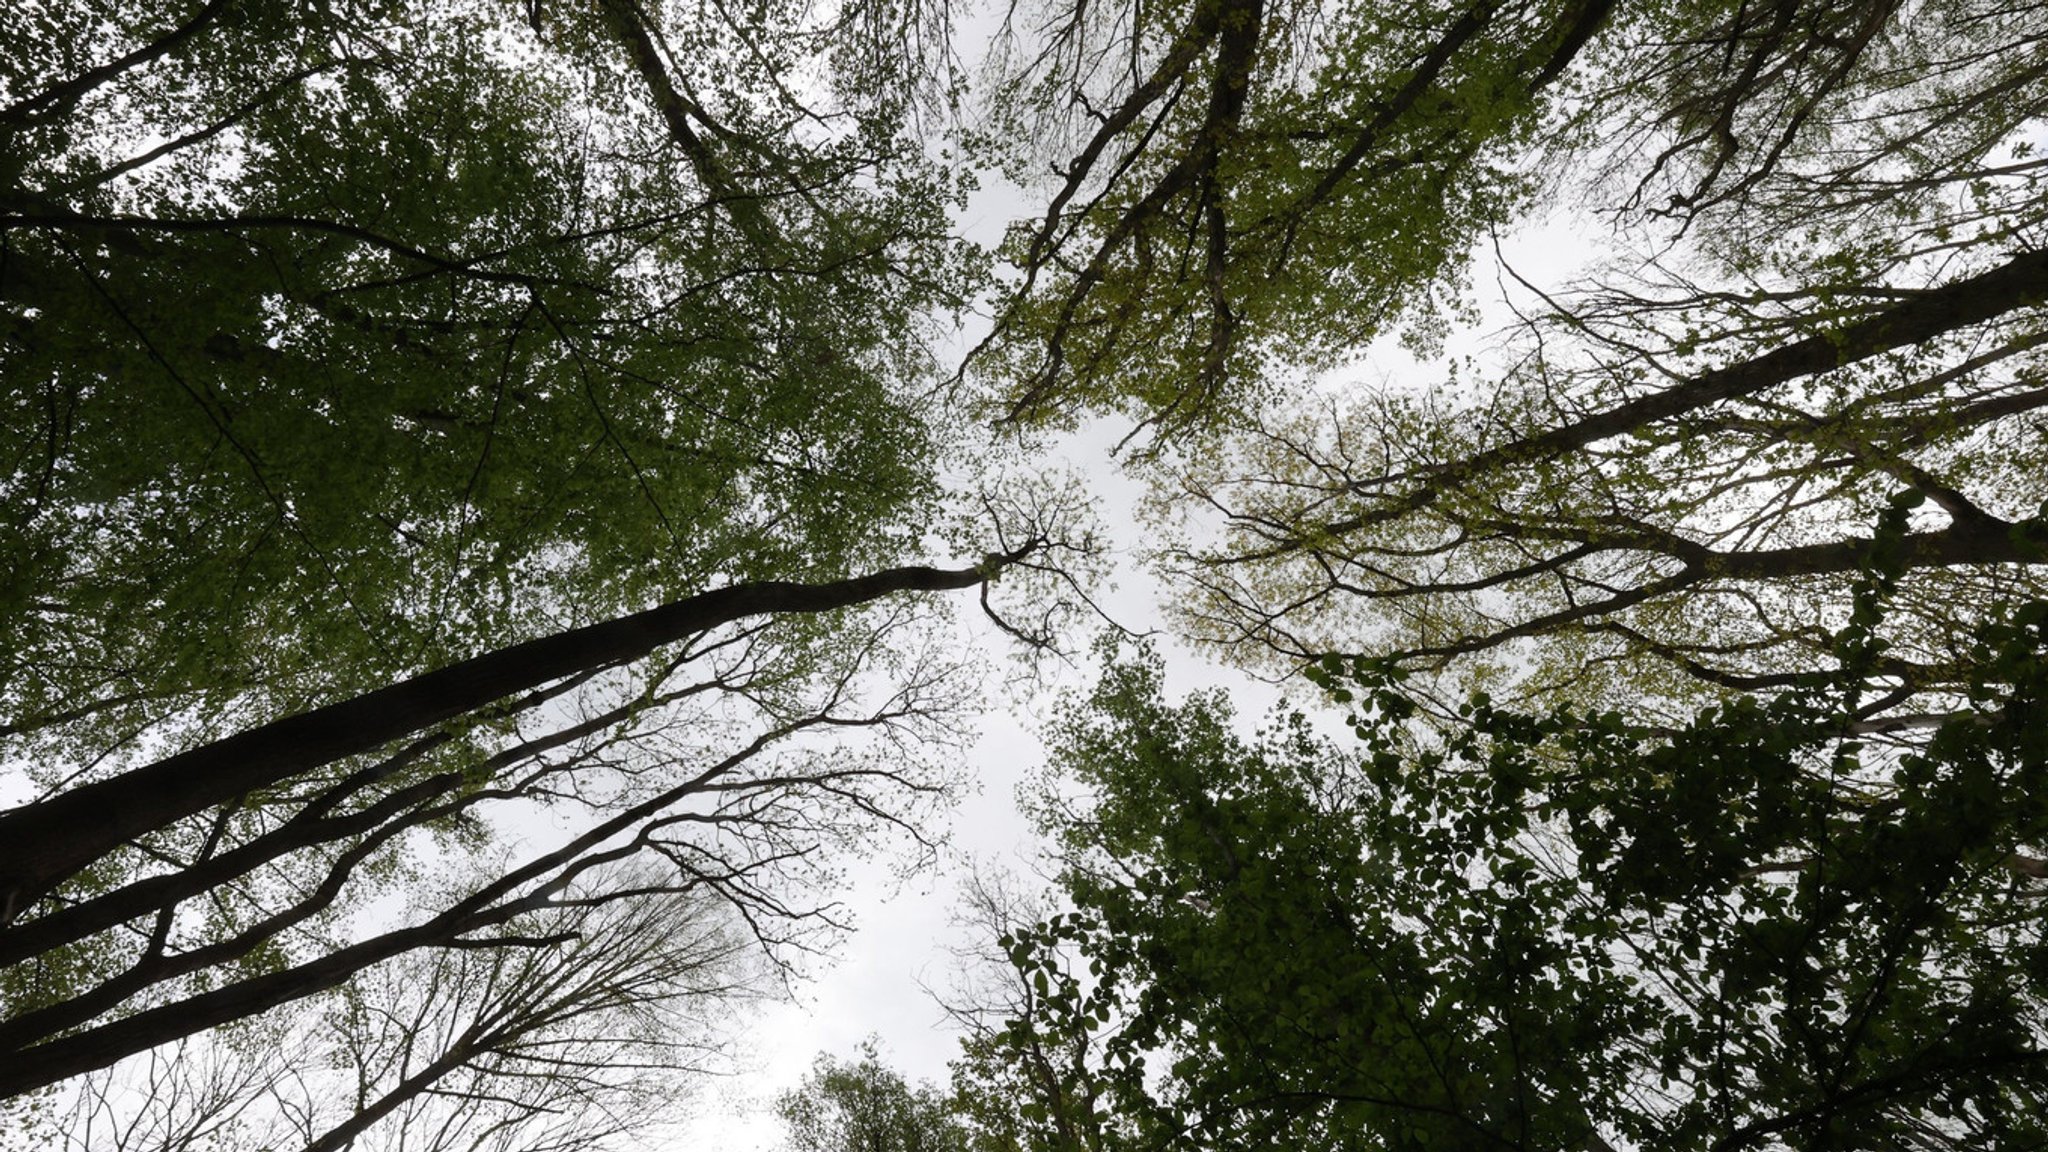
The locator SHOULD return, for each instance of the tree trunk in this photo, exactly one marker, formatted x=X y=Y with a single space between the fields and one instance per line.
x=46 y=842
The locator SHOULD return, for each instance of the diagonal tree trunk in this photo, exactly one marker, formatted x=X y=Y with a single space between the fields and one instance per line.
x=2021 y=282
x=46 y=842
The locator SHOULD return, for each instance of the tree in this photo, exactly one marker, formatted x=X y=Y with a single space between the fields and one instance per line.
x=415 y=414
x=1241 y=189
x=863 y=1105
x=1705 y=528
x=1220 y=168
x=1558 y=930
x=119 y=950
x=1799 y=917
x=1031 y=1072
x=1823 y=222
x=54 y=839
x=343 y=340
x=596 y=1025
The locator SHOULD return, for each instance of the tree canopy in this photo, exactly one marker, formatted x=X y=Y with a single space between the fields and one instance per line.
x=1786 y=896
x=416 y=415
x=1743 y=850
x=863 y=1105
x=1706 y=527
x=344 y=338
x=417 y=418
x=1221 y=167
x=1238 y=188
x=1561 y=930
x=1817 y=276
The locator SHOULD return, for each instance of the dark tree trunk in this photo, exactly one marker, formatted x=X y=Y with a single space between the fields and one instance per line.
x=2021 y=282
x=44 y=843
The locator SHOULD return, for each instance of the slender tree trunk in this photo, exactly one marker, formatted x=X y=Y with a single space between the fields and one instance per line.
x=29 y=1066
x=343 y=1135
x=44 y=843
x=28 y=1069
x=312 y=825
x=2021 y=282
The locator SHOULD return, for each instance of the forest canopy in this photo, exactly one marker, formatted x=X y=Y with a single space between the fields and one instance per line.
x=422 y=422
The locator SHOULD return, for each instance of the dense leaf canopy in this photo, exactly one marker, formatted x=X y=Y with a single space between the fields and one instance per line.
x=1550 y=931
x=343 y=338
x=417 y=414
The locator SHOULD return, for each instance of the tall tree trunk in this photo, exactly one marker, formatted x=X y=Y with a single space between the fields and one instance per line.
x=46 y=842
x=2021 y=282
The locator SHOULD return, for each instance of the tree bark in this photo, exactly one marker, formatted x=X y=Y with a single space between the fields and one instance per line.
x=2018 y=283
x=25 y=1067
x=44 y=843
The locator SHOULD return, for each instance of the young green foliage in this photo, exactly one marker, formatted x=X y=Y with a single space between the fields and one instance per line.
x=1558 y=930
x=1240 y=186
x=344 y=341
x=863 y=1105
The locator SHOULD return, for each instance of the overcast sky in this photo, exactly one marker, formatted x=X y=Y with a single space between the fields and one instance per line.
x=877 y=986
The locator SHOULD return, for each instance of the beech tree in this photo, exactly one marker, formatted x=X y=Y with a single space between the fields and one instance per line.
x=601 y=1023
x=1821 y=224
x=419 y=414
x=1237 y=182
x=198 y=891
x=1754 y=860
x=1241 y=189
x=1553 y=930
x=1030 y=1072
x=863 y=1105
x=345 y=340
x=1589 y=535
x=412 y=414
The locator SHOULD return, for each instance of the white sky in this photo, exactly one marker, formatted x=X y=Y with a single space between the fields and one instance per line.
x=902 y=944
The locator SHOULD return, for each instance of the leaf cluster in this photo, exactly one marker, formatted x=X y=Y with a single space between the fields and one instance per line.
x=1558 y=929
